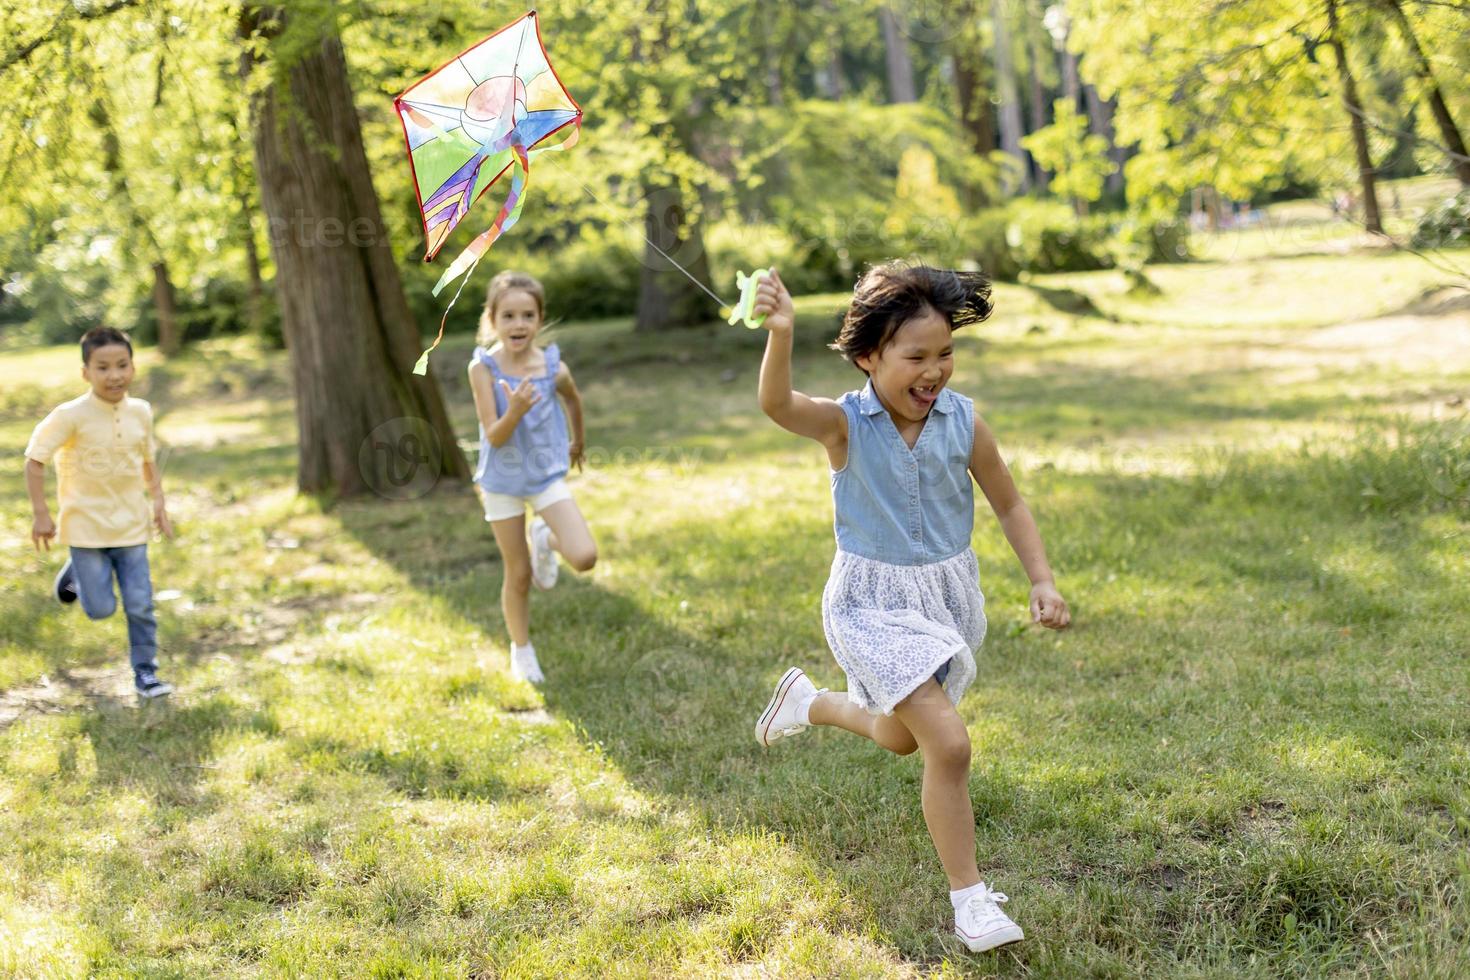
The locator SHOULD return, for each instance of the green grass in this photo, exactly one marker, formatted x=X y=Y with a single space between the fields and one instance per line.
x=1248 y=758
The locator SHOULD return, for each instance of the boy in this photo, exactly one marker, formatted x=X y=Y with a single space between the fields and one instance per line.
x=103 y=446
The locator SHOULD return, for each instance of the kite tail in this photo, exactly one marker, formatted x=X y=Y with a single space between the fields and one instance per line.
x=510 y=212
x=464 y=264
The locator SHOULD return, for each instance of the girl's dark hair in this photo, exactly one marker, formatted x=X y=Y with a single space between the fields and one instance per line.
x=103 y=337
x=891 y=294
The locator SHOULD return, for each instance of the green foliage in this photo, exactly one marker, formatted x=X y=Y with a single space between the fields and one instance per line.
x=1245 y=104
x=1447 y=225
x=1078 y=159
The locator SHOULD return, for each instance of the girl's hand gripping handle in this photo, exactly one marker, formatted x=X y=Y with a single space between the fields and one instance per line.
x=774 y=303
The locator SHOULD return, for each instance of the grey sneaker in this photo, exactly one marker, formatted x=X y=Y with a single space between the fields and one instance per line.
x=145 y=680
x=65 y=586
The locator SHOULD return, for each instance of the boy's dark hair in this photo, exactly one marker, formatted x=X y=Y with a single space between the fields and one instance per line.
x=891 y=294
x=103 y=337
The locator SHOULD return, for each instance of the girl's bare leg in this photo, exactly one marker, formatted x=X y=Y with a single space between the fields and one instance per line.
x=515 y=592
x=570 y=535
x=833 y=708
x=945 y=742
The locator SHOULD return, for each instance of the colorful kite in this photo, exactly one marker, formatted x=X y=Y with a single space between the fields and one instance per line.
x=492 y=108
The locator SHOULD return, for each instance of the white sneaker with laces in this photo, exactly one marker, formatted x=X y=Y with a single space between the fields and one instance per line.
x=524 y=665
x=779 y=718
x=544 y=567
x=980 y=923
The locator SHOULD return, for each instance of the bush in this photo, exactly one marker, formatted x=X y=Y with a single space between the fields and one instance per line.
x=1445 y=226
x=1045 y=236
x=1155 y=242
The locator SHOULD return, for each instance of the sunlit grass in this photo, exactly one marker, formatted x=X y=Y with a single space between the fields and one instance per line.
x=1248 y=758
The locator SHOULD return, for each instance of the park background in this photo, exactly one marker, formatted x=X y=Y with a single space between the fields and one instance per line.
x=1229 y=366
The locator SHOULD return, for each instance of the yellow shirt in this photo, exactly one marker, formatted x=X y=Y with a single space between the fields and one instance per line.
x=100 y=449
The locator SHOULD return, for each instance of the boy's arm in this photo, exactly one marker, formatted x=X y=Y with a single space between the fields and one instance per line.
x=566 y=386
x=53 y=432
x=990 y=471
x=43 y=528
x=821 y=419
x=153 y=477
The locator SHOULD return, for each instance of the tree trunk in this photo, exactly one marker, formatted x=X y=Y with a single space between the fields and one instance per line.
x=1100 y=121
x=163 y=305
x=775 y=93
x=1371 y=218
x=901 y=86
x=1448 y=131
x=833 y=79
x=1010 y=103
x=1035 y=51
x=1071 y=78
x=667 y=299
x=351 y=338
x=974 y=100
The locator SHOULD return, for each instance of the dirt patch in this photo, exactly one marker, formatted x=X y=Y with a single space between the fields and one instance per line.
x=67 y=690
x=269 y=633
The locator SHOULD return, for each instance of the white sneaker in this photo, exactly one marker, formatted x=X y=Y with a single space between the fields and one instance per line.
x=544 y=566
x=779 y=718
x=980 y=923
x=524 y=666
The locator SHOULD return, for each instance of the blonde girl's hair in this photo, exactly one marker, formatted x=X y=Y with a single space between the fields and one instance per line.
x=502 y=283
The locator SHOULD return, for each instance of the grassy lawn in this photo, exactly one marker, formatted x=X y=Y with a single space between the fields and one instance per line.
x=1249 y=757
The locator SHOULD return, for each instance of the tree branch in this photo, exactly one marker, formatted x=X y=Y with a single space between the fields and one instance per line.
x=24 y=52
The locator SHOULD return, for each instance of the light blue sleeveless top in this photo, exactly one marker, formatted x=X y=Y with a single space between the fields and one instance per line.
x=899 y=505
x=535 y=456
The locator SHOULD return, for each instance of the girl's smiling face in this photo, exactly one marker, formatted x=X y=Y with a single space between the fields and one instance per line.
x=912 y=369
x=517 y=320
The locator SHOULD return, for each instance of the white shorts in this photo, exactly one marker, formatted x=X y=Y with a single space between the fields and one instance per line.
x=500 y=506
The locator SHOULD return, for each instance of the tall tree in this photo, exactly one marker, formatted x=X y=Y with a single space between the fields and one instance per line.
x=140 y=229
x=1367 y=178
x=901 y=87
x=1040 y=105
x=831 y=76
x=351 y=338
x=972 y=80
x=1449 y=132
x=1005 y=86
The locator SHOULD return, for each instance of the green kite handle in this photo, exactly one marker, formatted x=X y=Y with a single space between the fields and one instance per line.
x=744 y=310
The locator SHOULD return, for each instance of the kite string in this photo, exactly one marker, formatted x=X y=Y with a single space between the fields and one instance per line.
x=672 y=261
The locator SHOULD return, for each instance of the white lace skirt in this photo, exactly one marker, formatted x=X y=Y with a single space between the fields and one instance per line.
x=891 y=627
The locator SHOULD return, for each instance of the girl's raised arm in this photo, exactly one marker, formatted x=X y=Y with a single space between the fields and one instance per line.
x=821 y=419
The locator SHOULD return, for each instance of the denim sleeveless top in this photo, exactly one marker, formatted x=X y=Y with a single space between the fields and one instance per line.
x=899 y=505
x=535 y=455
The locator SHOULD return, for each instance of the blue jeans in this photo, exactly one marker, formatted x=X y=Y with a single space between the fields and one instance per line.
x=93 y=569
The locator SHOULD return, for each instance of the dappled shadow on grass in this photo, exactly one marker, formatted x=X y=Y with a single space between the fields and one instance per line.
x=162 y=748
x=1244 y=645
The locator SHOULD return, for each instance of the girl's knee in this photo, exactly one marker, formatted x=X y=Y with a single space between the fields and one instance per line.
x=950 y=753
x=100 y=610
x=518 y=576
x=900 y=745
x=582 y=559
